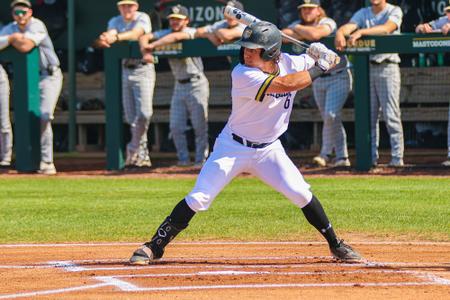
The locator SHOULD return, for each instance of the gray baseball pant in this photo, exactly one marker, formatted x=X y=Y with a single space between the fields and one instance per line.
x=190 y=99
x=385 y=83
x=6 y=134
x=137 y=100
x=50 y=88
x=330 y=94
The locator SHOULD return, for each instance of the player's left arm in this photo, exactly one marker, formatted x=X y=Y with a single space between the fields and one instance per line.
x=228 y=35
x=311 y=33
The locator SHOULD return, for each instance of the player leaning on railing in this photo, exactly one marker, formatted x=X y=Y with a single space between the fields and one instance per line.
x=440 y=25
x=264 y=85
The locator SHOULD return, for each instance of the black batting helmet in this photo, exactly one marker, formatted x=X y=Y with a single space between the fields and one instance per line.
x=262 y=35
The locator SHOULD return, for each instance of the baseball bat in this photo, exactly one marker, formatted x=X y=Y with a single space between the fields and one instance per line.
x=247 y=19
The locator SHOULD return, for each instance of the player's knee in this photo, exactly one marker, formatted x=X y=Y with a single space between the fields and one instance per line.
x=300 y=197
x=46 y=117
x=144 y=116
x=330 y=117
x=199 y=201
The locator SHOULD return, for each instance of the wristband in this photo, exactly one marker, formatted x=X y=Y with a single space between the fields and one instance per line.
x=315 y=72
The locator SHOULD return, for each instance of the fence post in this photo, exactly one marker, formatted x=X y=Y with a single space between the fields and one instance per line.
x=113 y=94
x=362 y=113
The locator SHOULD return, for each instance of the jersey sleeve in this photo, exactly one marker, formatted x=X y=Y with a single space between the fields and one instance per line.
x=216 y=26
x=396 y=16
x=190 y=31
x=329 y=22
x=143 y=21
x=359 y=19
x=293 y=24
x=300 y=63
x=36 y=32
x=112 y=24
x=250 y=82
x=439 y=23
x=161 y=33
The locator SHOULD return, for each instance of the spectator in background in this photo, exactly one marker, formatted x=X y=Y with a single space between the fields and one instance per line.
x=443 y=25
x=380 y=18
x=224 y=31
x=25 y=33
x=191 y=90
x=138 y=79
x=331 y=89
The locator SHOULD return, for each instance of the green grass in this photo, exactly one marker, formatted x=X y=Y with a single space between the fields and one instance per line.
x=112 y=209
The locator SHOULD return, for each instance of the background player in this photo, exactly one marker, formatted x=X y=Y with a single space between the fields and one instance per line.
x=263 y=88
x=442 y=24
x=331 y=89
x=223 y=31
x=5 y=122
x=25 y=33
x=380 y=18
x=138 y=79
x=191 y=90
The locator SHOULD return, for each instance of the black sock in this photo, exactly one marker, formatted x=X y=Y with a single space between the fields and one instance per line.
x=170 y=228
x=181 y=215
x=316 y=216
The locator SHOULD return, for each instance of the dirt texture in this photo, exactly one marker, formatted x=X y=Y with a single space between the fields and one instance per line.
x=226 y=270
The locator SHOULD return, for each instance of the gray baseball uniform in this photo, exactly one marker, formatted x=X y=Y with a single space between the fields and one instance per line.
x=5 y=123
x=384 y=82
x=138 y=84
x=438 y=24
x=330 y=93
x=189 y=99
x=51 y=79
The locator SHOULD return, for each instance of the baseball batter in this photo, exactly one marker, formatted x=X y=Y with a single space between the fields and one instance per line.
x=263 y=88
x=331 y=89
x=442 y=24
x=5 y=122
x=380 y=18
x=25 y=33
x=191 y=91
x=138 y=79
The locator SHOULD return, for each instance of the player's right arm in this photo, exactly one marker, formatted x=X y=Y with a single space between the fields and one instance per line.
x=340 y=41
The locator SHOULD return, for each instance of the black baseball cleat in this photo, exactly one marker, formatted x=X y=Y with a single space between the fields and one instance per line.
x=345 y=253
x=142 y=256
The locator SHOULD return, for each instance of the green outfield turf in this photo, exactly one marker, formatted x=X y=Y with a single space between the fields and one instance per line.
x=111 y=209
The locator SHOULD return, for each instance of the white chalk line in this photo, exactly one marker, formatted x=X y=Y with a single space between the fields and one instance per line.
x=55 y=291
x=70 y=266
x=252 y=273
x=412 y=243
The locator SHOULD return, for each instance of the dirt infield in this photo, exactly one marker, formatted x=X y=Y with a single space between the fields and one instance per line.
x=226 y=270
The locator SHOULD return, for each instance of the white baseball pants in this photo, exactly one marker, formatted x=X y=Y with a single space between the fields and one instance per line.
x=229 y=159
x=5 y=122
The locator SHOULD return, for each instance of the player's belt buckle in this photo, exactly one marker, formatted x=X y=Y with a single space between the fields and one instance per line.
x=247 y=143
x=188 y=80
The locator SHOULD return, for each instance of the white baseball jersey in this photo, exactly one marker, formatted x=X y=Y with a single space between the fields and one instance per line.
x=439 y=23
x=256 y=115
x=364 y=18
x=37 y=32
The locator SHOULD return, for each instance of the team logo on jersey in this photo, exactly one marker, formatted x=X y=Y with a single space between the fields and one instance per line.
x=247 y=33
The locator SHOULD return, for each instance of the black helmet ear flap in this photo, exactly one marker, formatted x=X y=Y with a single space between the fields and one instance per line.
x=241 y=56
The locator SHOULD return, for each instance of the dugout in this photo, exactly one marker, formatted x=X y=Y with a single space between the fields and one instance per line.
x=91 y=18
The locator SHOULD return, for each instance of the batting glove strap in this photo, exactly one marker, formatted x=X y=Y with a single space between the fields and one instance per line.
x=315 y=72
